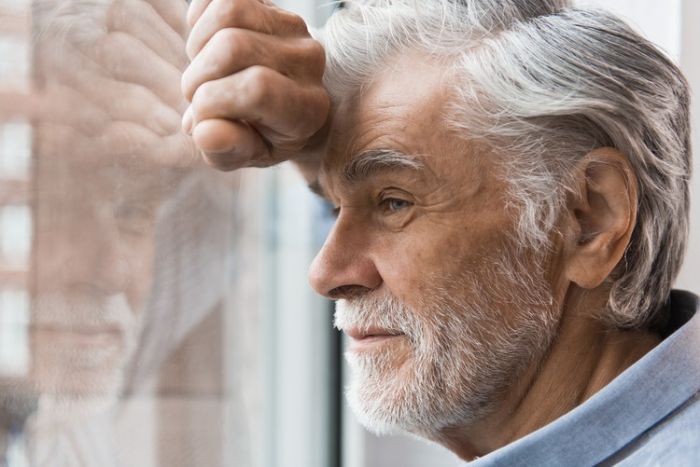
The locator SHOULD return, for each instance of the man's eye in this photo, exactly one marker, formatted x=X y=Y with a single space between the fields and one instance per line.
x=393 y=205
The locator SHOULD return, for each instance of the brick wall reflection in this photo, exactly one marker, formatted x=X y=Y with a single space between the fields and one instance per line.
x=115 y=244
x=15 y=168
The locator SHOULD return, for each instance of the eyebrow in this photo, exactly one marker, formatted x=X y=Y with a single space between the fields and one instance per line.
x=373 y=161
x=369 y=163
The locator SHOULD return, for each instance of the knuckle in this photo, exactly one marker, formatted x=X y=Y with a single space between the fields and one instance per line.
x=256 y=85
x=230 y=11
x=316 y=108
x=233 y=41
x=296 y=24
x=316 y=56
x=203 y=99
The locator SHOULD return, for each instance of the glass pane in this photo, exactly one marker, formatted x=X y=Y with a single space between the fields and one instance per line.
x=150 y=307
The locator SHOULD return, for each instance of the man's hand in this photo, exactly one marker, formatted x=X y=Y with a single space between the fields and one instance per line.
x=255 y=83
x=109 y=73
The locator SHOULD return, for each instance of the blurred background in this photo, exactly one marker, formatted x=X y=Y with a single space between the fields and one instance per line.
x=154 y=312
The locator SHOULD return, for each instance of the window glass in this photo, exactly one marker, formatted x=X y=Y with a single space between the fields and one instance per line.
x=153 y=311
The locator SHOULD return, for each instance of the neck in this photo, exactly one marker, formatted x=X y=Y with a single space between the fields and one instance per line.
x=583 y=358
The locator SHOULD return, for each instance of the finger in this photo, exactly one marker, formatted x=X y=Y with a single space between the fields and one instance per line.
x=126 y=140
x=117 y=140
x=120 y=100
x=148 y=27
x=140 y=106
x=229 y=145
x=243 y=14
x=195 y=10
x=276 y=105
x=176 y=150
x=121 y=141
x=174 y=12
x=232 y=50
x=124 y=58
x=61 y=104
x=187 y=121
x=134 y=104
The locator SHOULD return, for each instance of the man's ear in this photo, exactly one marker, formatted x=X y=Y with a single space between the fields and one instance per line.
x=603 y=209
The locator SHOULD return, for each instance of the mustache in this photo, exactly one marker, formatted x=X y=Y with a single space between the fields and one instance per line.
x=81 y=310
x=371 y=312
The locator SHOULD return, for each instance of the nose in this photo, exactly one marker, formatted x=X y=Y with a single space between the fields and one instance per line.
x=344 y=267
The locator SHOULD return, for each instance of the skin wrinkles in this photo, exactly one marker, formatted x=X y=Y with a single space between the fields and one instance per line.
x=433 y=190
x=459 y=226
x=451 y=196
x=433 y=200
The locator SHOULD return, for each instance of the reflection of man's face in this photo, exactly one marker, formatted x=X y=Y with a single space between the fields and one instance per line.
x=445 y=312
x=93 y=251
x=108 y=140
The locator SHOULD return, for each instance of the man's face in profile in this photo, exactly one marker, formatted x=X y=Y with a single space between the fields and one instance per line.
x=444 y=311
x=93 y=251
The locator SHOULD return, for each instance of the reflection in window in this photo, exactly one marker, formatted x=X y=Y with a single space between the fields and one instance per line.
x=147 y=302
x=15 y=236
x=14 y=62
x=15 y=151
x=14 y=346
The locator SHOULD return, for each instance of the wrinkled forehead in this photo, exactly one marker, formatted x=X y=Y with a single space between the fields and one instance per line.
x=402 y=109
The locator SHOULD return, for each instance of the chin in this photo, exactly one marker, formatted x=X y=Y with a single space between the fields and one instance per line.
x=399 y=394
x=81 y=346
x=66 y=368
x=77 y=389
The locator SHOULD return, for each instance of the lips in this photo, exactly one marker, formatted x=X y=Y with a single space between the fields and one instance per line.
x=86 y=336
x=367 y=339
x=359 y=334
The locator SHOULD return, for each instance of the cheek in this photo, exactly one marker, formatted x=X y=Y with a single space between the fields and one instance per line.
x=413 y=265
x=412 y=274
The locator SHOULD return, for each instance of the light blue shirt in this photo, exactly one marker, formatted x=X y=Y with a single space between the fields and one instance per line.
x=647 y=416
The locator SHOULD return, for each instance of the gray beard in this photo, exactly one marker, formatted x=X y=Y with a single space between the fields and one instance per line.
x=69 y=374
x=462 y=353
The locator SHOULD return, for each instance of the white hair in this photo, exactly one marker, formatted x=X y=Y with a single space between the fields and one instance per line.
x=543 y=83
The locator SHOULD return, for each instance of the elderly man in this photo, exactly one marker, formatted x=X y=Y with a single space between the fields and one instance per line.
x=511 y=185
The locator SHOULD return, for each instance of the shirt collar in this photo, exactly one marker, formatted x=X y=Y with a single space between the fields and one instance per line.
x=636 y=400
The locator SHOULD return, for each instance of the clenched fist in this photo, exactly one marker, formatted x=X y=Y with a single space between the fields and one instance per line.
x=109 y=72
x=255 y=83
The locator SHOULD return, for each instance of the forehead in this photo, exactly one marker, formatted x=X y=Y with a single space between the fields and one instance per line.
x=403 y=108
